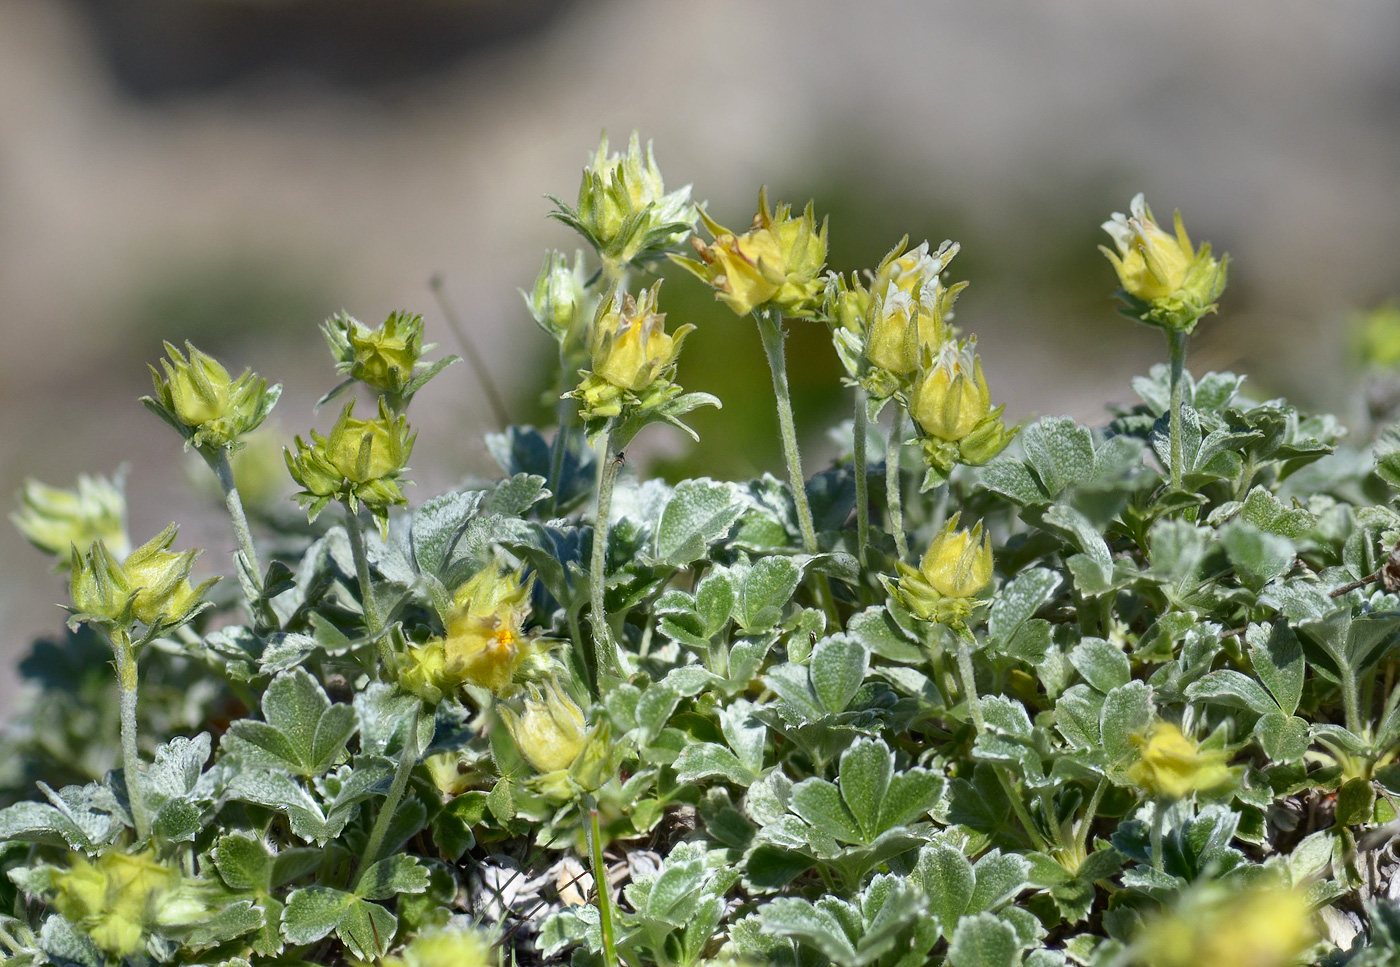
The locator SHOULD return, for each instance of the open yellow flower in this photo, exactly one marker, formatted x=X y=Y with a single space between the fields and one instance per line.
x=1215 y=926
x=1171 y=766
x=1173 y=283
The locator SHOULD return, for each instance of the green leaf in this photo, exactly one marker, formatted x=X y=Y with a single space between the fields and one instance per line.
x=865 y=772
x=1019 y=599
x=1127 y=712
x=1258 y=556
x=1277 y=657
x=798 y=918
x=714 y=601
x=838 y=666
x=437 y=527
x=675 y=893
x=367 y=929
x=821 y=805
x=303 y=732
x=947 y=880
x=244 y=862
x=1284 y=738
x=1266 y=512
x=764 y=591
x=881 y=635
x=984 y=940
x=912 y=795
x=702 y=760
x=1102 y=665
x=313 y=912
x=1229 y=687
x=391 y=876
x=699 y=513
x=1356 y=800
x=1060 y=451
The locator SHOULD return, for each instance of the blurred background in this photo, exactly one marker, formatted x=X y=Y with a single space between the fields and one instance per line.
x=233 y=171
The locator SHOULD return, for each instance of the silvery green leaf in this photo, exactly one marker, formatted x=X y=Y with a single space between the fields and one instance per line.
x=714 y=600
x=1102 y=665
x=912 y=795
x=1258 y=556
x=838 y=665
x=1127 y=712
x=984 y=940
x=820 y=803
x=391 y=876
x=767 y=799
x=699 y=513
x=513 y=496
x=746 y=735
x=999 y=877
x=654 y=708
x=35 y=822
x=1266 y=512
x=67 y=945
x=437 y=527
x=820 y=928
x=1060 y=451
x=1228 y=687
x=1019 y=599
x=313 y=912
x=864 y=777
x=367 y=929
x=244 y=861
x=1284 y=738
x=881 y=635
x=763 y=592
x=701 y=760
x=675 y=893
x=946 y=878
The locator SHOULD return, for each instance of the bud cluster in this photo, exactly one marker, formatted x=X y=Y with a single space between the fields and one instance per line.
x=956 y=568
x=632 y=357
x=56 y=520
x=388 y=359
x=151 y=585
x=357 y=462
x=1165 y=281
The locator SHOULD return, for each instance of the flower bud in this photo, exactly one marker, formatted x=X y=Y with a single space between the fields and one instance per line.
x=950 y=397
x=209 y=408
x=151 y=585
x=550 y=730
x=1165 y=281
x=1171 y=766
x=910 y=308
x=956 y=568
x=558 y=301
x=632 y=354
x=384 y=358
x=55 y=520
x=623 y=209
x=358 y=462
x=775 y=263
x=115 y=899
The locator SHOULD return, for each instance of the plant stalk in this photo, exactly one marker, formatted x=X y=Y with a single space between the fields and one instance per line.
x=602 y=663
x=223 y=470
x=374 y=621
x=1159 y=818
x=771 y=330
x=600 y=884
x=408 y=758
x=127 y=681
x=969 y=681
x=894 y=484
x=858 y=435
x=1176 y=341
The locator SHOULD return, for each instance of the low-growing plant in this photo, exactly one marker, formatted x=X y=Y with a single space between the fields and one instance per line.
x=974 y=694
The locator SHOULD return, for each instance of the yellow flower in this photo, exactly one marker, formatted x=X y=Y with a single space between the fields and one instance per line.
x=115 y=899
x=1259 y=926
x=633 y=357
x=550 y=730
x=1171 y=766
x=1177 y=283
x=54 y=519
x=486 y=643
x=956 y=568
x=359 y=462
x=383 y=358
x=950 y=397
x=775 y=263
x=447 y=947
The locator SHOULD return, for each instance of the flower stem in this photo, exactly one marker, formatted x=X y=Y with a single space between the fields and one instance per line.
x=408 y=758
x=1159 y=816
x=602 y=663
x=600 y=884
x=1081 y=836
x=374 y=619
x=893 y=484
x=127 y=680
x=771 y=330
x=969 y=680
x=858 y=434
x=262 y=608
x=1177 y=347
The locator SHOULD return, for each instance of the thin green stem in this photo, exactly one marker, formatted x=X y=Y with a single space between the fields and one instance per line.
x=858 y=435
x=771 y=330
x=1351 y=703
x=1019 y=808
x=1177 y=347
x=602 y=663
x=969 y=680
x=374 y=620
x=262 y=609
x=1159 y=818
x=127 y=681
x=600 y=883
x=1081 y=836
x=408 y=758
x=893 y=484
x=559 y=448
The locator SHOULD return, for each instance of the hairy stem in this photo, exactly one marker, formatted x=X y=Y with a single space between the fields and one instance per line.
x=893 y=484
x=1159 y=818
x=262 y=609
x=858 y=434
x=969 y=680
x=600 y=884
x=602 y=663
x=771 y=330
x=408 y=758
x=127 y=680
x=1177 y=348
x=1081 y=836
x=1018 y=806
